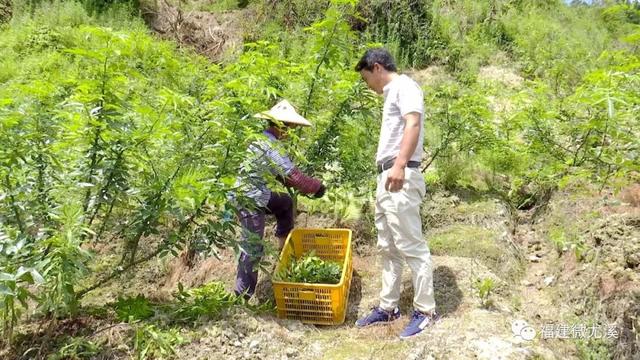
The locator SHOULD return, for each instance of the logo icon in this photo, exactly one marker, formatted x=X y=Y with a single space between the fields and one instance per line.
x=521 y=329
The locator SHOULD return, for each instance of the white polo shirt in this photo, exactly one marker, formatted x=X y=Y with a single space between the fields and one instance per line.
x=401 y=96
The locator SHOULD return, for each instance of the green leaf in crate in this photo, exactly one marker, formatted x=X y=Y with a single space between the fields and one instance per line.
x=310 y=269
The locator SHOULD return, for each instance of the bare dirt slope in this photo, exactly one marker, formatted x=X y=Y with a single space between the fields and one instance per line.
x=215 y=35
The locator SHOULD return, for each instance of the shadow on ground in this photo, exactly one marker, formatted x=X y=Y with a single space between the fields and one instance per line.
x=264 y=290
x=447 y=293
x=355 y=297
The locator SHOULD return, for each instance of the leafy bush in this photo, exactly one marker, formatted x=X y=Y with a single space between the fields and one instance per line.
x=295 y=13
x=87 y=123
x=102 y=5
x=310 y=269
x=112 y=134
x=152 y=342
x=559 y=46
x=460 y=126
x=594 y=348
x=485 y=287
x=472 y=31
x=75 y=349
x=405 y=27
x=133 y=308
x=541 y=139
x=620 y=17
x=16 y=282
x=207 y=301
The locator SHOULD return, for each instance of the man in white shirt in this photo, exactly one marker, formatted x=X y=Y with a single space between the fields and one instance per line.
x=399 y=193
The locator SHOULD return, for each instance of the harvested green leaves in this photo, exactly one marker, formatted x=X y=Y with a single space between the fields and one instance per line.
x=310 y=269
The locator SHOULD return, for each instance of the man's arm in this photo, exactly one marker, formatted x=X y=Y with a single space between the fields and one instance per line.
x=410 y=136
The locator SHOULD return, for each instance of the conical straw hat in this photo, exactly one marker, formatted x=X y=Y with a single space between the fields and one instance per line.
x=285 y=112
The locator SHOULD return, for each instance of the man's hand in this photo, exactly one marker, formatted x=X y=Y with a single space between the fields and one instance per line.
x=395 y=179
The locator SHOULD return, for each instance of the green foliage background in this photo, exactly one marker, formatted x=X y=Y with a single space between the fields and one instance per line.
x=110 y=135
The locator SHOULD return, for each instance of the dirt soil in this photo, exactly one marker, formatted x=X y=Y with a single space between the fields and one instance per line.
x=215 y=35
x=5 y=11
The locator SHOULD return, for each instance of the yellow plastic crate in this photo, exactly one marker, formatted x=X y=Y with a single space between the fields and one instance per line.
x=315 y=303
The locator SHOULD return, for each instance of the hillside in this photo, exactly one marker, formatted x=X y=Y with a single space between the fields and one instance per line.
x=123 y=125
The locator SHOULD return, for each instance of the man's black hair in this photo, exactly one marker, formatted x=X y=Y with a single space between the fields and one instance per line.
x=376 y=55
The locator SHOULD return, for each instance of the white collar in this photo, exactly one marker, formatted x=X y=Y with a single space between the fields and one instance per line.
x=387 y=87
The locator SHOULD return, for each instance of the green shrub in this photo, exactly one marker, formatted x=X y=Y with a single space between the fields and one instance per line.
x=75 y=349
x=16 y=282
x=207 y=301
x=295 y=13
x=405 y=27
x=131 y=309
x=558 y=46
x=86 y=120
x=485 y=287
x=150 y=342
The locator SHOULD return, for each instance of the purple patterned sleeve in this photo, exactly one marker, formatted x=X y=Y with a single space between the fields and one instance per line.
x=278 y=164
x=282 y=167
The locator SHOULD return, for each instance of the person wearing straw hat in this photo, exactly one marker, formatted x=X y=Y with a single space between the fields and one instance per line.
x=399 y=194
x=266 y=158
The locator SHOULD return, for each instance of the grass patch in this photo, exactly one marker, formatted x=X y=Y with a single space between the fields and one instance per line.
x=476 y=242
x=466 y=241
x=213 y=6
x=360 y=348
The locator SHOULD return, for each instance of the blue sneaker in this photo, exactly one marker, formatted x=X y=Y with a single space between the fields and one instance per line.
x=378 y=316
x=419 y=322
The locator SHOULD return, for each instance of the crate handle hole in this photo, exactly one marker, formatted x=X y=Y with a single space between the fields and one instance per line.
x=307 y=295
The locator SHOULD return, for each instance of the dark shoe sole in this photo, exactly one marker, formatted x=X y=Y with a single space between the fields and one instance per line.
x=437 y=320
x=378 y=323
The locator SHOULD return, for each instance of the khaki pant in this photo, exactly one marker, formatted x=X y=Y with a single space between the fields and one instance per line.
x=400 y=239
